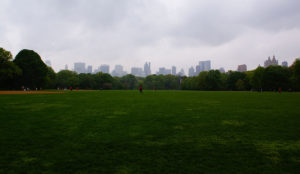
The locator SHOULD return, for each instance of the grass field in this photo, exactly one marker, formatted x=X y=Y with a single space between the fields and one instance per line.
x=154 y=132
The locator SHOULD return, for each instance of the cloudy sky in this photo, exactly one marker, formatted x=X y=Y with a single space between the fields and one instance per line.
x=164 y=32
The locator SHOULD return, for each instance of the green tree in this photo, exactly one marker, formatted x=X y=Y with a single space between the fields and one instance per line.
x=171 y=82
x=201 y=79
x=189 y=83
x=240 y=85
x=276 y=77
x=149 y=82
x=232 y=78
x=129 y=81
x=159 y=82
x=50 y=79
x=33 y=68
x=8 y=70
x=116 y=84
x=213 y=80
x=257 y=79
x=103 y=81
x=295 y=78
x=86 y=81
x=66 y=78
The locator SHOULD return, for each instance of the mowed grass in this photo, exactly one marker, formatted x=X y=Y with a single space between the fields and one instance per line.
x=154 y=132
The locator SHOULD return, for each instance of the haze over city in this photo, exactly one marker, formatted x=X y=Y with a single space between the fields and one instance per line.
x=166 y=33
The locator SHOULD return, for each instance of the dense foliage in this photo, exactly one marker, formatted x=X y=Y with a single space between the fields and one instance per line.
x=8 y=70
x=34 y=70
x=28 y=70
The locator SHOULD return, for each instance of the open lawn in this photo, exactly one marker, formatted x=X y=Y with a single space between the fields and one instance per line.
x=154 y=132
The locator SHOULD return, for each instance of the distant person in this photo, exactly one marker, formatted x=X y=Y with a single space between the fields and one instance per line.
x=71 y=89
x=279 y=90
x=141 y=88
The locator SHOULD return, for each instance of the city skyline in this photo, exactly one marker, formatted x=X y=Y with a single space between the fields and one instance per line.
x=132 y=32
x=169 y=66
x=80 y=67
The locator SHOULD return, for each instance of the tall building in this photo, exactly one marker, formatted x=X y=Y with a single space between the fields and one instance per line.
x=79 y=67
x=181 y=72
x=161 y=71
x=137 y=72
x=89 y=69
x=205 y=65
x=191 y=71
x=118 y=71
x=242 y=68
x=147 y=69
x=48 y=63
x=174 y=70
x=270 y=62
x=222 y=70
x=168 y=71
x=198 y=70
x=96 y=70
x=66 y=67
x=164 y=71
x=104 y=69
x=285 y=64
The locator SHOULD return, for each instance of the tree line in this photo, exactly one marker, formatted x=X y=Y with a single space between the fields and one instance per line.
x=28 y=70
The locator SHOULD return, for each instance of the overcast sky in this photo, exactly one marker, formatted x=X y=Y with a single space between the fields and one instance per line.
x=164 y=32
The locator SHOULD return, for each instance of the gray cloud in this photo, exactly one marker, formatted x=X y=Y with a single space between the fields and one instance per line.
x=214 y=22
x=133 y=31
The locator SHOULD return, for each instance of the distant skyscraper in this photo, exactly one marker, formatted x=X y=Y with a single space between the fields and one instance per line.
x=79 y=67
x=96 y=70
x=137 y=72
x=66 y=67
x=168 y=71
x=174 y=70
x=181 y=72
x=205 y=65
x=119 y=68
x=270 y=62
x=191 y=71
x=285 y=64
x=161 y=71
x=89 y=69
x=242 y=68
x=222 y=70
x=147 y=69
x=198 y=70
x=164 y=71
x=104 y=69
x=118 y=71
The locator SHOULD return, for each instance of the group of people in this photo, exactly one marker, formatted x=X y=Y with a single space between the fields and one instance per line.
x=28 y=89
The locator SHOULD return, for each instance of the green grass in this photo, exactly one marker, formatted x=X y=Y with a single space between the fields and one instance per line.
x=154 y=132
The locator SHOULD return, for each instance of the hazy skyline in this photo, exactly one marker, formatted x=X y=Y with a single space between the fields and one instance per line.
x=164 y=32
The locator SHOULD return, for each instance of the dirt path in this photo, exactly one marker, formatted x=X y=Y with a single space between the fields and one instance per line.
x=28 y=92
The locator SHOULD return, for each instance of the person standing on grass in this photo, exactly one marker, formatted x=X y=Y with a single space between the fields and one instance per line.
x=279 y=90
x=141 y=88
